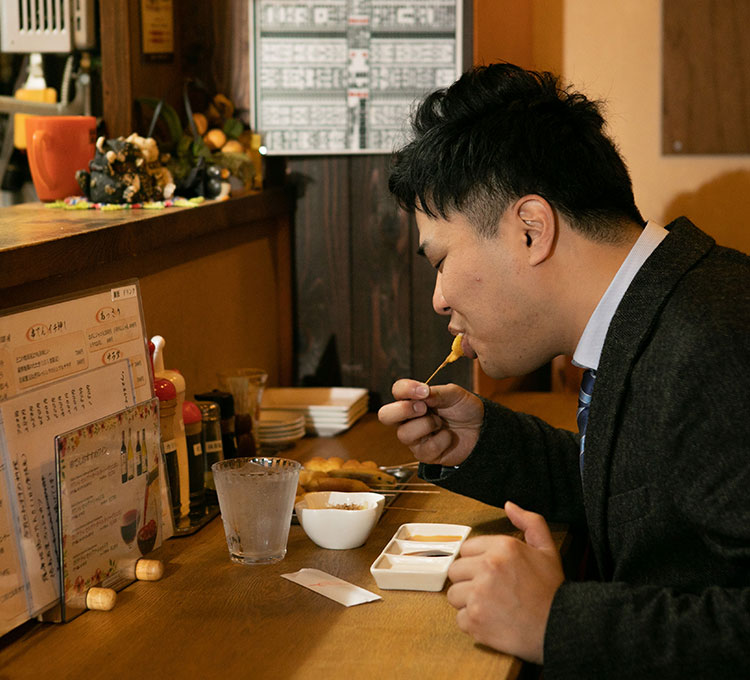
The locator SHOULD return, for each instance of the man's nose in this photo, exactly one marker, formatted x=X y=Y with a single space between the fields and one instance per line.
x=438 y=301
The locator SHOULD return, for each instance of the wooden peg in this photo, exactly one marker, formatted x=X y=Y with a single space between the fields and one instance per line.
x=149 y=570
x=101 y=599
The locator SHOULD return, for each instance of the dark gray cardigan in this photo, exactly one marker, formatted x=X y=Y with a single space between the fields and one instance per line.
x=666 y=487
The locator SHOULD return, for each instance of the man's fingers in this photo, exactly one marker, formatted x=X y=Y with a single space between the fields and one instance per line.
x=432 y=447
x=406 y=388
x=457 y=594
x=410 y=402
x=436 y=396
x=413 y=431
x=399 y=411
x=535 y=529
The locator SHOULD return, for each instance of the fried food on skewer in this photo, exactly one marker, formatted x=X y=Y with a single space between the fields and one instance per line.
x=457 y=352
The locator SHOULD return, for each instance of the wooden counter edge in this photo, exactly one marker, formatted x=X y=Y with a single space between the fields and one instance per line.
x=86 y=238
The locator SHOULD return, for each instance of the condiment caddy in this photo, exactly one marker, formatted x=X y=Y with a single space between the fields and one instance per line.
x=418 y=556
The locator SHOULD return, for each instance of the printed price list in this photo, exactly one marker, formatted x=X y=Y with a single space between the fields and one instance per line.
x=341 y=76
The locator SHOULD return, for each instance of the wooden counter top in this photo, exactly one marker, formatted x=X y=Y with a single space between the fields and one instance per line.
x=38 y=242
x=209 y=617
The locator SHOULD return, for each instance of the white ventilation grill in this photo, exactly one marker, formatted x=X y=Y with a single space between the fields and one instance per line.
x=45 y=25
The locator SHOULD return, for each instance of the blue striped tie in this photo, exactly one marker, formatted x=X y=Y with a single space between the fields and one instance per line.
x=584 y=402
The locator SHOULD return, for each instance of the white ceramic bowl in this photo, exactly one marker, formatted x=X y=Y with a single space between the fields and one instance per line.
x=336 y=528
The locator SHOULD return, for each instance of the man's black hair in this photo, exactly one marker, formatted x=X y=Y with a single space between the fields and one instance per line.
x=501 y=132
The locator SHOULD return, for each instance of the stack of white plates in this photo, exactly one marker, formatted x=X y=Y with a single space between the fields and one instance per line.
x=280 y=427
x=326 y=410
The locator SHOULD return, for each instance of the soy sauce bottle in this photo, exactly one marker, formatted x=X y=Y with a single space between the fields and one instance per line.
x=167 y=394
x=226 y=408
x=193 y=420
x=213 y=450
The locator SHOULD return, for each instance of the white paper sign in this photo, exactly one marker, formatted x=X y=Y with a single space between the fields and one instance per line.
x=341 y=76
x=69 y=336
x=13 y=608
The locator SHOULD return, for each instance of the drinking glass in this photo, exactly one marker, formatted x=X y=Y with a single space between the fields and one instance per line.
x=256 y=498
x=246 y=386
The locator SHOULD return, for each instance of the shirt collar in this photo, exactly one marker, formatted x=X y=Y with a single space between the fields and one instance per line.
x=589 y=348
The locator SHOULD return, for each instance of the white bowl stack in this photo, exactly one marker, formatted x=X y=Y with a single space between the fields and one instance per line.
x=326 y=410
x=280 y=427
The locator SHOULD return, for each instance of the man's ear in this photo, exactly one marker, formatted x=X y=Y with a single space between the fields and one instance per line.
x=537 y=220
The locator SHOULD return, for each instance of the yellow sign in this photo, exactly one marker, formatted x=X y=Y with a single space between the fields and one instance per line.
x=157 y=27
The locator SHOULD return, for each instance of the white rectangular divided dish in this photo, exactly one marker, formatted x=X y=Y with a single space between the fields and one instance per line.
x=418 y=556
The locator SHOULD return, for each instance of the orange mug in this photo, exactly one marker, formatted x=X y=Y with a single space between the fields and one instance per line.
x=57 y=147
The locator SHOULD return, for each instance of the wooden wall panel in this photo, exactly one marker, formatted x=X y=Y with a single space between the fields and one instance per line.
x=380 y=280
x=211 y=43
x=323 y=267
x=706 y=89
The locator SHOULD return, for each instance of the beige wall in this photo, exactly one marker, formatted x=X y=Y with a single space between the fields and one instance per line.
x=612 y=50
x=216 y=312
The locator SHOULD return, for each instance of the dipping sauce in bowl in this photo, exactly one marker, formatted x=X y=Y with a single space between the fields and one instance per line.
x=433 y=539
x=339 y=520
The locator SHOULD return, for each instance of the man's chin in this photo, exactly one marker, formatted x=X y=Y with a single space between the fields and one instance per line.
x=492 y=370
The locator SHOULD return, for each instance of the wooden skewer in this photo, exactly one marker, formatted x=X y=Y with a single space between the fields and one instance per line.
x=394 y=493
x=410 y=464
x=398 y=507
x=436 y=371
x=399 y=485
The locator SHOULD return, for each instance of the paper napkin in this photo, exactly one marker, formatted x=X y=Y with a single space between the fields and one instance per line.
x=332 y=587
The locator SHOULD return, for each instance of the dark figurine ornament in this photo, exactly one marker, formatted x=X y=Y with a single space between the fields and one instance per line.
x=127 y=170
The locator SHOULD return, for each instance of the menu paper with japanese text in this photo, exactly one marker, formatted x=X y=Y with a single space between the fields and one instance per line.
x=29 y=423
x=341 y=76
x=69 y=335
x=109 y=501
x=13 y=608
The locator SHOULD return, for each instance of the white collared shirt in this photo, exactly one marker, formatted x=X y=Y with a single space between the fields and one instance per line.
x=589 y=348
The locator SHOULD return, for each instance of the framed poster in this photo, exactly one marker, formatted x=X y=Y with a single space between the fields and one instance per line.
x=342 y=76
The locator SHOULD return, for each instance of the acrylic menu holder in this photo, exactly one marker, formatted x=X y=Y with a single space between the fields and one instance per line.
x=59 y=359
x=29 y=423
x=13 y=607
x=108 y=474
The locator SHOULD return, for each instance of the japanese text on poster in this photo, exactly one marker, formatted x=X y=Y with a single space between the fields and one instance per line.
x=341 y=76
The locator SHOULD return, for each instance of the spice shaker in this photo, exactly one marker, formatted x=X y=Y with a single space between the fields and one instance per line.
x=226 y=408
x=191 y=415
x=213 y=451
x=175 y=377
